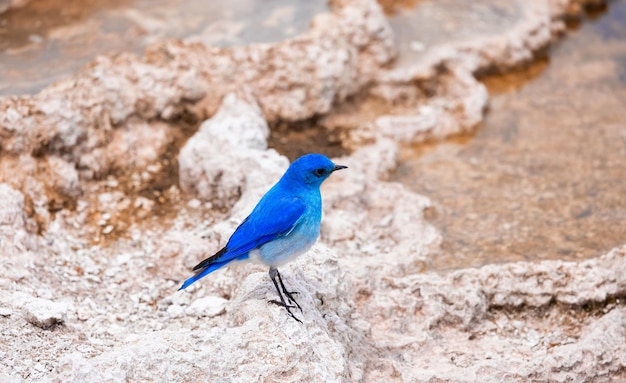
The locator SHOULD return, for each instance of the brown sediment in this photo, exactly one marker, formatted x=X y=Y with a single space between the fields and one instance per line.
x=296 y=139
x=516 y=79
x=392 y=6
x=155 y=186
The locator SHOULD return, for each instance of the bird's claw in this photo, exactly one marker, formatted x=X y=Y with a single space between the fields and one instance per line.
x=289 y=295
x=281 y=304
x=287 y=307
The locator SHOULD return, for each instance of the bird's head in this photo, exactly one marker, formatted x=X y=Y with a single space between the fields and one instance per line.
x=312 y=169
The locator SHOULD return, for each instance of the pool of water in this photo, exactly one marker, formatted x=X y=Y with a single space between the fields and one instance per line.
x=48 y=40
x=545 y=175
x=429 y=23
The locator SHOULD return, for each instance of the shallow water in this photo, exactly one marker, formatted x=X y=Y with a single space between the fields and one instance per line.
x=45 y=42
x=545 y=174
x=436 y=22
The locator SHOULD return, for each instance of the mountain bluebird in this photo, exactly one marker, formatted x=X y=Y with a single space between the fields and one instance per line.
x=284 y=224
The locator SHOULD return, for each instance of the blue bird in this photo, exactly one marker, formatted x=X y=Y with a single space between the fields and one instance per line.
x=283 y=225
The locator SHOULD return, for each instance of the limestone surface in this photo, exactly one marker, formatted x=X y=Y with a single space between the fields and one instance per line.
x=117 y=181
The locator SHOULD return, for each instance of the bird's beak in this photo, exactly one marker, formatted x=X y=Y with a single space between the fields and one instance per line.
x=339 y=167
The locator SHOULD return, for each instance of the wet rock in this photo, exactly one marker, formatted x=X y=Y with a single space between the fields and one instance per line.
x=456 y=106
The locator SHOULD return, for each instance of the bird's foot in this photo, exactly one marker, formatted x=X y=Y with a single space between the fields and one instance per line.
x=273 y=274
x=289 y=295
x=287 y=307
x=281 y=304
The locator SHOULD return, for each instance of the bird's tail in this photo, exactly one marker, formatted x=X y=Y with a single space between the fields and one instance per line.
x=213 y=263
x=202 y=273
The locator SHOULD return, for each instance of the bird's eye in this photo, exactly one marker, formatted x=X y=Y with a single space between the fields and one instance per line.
x=319 y=172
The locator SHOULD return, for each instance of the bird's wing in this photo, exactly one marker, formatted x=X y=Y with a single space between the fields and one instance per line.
x=270 y=219
x=273 y=217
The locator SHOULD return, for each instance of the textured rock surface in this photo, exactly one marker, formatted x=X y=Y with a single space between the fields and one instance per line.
x=228 y=154
x=96 y=235
x=6 y=5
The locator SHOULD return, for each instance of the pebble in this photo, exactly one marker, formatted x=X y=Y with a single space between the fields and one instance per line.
x=5 y=312
x=194 y=203
x=83 y=314
x=112 y=183
x=44 y=313
x=143 y=203
x=209 y=306
x=175 y=311
x=155 y=168
x=107 y=230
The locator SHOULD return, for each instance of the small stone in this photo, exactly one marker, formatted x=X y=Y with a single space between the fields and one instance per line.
x=5 y=312
x=36 y=39
x=143 y=203
x=112 y=183
x=175 y=311
x=194 y=203
x=207 y=307
x=154 y=168
x=107 y=230
x=84 y=313
x=44 y=313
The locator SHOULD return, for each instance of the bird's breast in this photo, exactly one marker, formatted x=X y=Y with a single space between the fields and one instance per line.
x=296 y=242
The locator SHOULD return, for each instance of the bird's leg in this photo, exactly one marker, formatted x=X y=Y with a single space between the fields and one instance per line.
x=289 y=294
x=273 y=272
